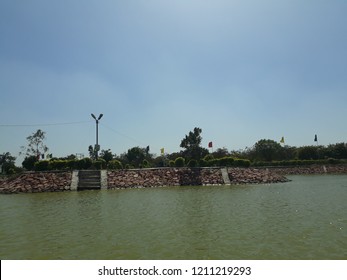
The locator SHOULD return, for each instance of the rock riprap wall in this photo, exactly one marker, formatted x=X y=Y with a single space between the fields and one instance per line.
x=313 y=169
x=37 y=182
x=163 y=177
x=254 y=176
x=119 y=179
x=188 y=176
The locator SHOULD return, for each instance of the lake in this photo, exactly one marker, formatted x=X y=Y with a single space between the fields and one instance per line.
x=302 y=219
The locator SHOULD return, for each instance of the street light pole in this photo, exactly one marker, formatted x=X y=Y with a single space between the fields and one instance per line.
x=97 y=148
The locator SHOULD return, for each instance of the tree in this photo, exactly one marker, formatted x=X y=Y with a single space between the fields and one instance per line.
x=92 y=152
x=268 y=150
x=106 y=155
x=221 y=152
x=191 y=144
x=7 y=162
x=338 y=151
x=309 y=152
x=29 y=162
x=36 y=146
x=193 y=139
x=135 y=156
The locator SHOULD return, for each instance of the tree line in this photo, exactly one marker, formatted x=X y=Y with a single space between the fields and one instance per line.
x=263 y=153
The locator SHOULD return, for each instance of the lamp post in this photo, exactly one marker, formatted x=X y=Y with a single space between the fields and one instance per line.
x=97 y=148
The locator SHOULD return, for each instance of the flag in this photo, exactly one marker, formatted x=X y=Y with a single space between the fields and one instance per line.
x=210 y=144
x=282 y=140
x=162 y=151
x=315 y=138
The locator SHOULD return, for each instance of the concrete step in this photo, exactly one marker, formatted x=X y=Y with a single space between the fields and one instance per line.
x=89 y=180
x=225 y=176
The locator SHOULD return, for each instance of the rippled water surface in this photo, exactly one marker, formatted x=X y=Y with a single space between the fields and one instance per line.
x=302 y=219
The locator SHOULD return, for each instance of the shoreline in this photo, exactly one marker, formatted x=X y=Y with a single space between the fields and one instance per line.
x=57 y=181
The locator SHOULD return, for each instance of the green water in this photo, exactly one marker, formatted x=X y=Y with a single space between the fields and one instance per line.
x=302 y=219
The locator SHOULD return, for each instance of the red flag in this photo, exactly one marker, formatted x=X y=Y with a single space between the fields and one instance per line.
x=210 y=145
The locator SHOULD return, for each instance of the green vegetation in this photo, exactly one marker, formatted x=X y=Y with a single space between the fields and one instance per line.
x=265 y=152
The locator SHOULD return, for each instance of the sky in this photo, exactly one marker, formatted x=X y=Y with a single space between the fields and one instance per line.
x=240 y=70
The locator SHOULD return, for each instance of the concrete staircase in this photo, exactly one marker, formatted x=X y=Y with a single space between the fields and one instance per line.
x=225 y=176
x=89 y=180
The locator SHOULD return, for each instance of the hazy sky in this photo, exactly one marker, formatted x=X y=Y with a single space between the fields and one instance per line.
x=240 y=70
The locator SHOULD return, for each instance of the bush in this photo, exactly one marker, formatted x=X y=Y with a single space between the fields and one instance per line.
x=298 y=162
x=115 y=164
x=213 y=162
x=226 y=161
x=203 y=163
x=100 y=164
x=41 y=165
x=84 y=163
x=58 y=164
x=192 y=163
x=333 y=161
x=71 y=164
x=180 y=162
x=242 y=162
x=129 y=166
x=29 y=162
x=145 y=164
x=172 y=163
x=208 y=157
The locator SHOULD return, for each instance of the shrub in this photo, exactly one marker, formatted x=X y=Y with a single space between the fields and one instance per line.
x=180 y=162
x=41 y=165
x=172 y=163
x=213 y=162
x=84 y=163
x=226 y=161
x=145 y=164
x=208 y=157
x=192 y=163
x=203 y=163
x=115 y=164
x=29 y=162
x=71 y=164
x=333 y=161
x=129 y=166
x=58 y=164
x=100 y=164
x=11 y=171
x=242 y=162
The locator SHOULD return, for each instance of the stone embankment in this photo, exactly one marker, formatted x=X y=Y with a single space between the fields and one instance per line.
x=312 y=169
x=189 y=176
x=163 y=177
x=33 y=182
x=254 y=176
x=119 y=179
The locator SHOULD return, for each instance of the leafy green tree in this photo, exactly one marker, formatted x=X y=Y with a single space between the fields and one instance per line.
x=268 y=150
x=309 y=152
x=92 y=152
x=115 y=164
x=36 y=146
x=179 y=162
x=338 y=151
x=106 y=155
x=135 y=156
x=220 y=152
x=29 y=162
x=191 y=144
x=7 y=161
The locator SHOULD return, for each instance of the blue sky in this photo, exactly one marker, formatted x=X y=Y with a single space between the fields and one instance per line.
x=240 y=70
